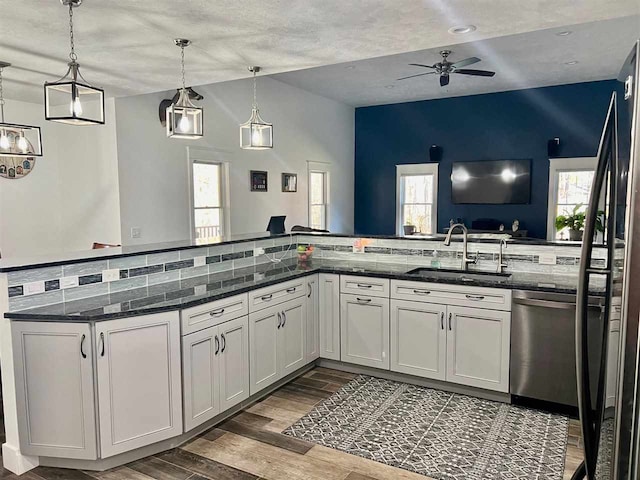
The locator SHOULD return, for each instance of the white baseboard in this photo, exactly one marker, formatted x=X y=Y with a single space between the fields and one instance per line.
x=16 y=462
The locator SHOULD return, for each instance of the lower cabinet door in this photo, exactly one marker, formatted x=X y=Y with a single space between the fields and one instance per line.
x=418 y=339
x=478 y=347
x=364 y=335
x=312 y=323
x=200 y=367
x=264 y=367
x=329 y=315
x=139 y=384
x=291 y=336
x=54 y=389
x=234 y=362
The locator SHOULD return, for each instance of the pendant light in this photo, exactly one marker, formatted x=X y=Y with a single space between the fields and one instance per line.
x=68 y=100
x=184 y=119
x=17 y=140
x=256 y=134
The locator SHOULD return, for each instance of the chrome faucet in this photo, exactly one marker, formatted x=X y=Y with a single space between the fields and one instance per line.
x=501 y=264
x=447 y=241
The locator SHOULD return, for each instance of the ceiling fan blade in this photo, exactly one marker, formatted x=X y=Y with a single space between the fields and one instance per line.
x=465 y=62
x=419 y=75
x=444 y=80
x=479 y=73
x=420 y=65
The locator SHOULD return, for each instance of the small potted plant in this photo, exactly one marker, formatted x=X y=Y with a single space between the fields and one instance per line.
x=575 y=222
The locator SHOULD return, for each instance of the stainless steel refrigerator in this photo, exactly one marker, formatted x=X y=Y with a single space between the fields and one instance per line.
x=608 y=389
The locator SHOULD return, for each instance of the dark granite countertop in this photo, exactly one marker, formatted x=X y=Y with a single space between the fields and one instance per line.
x=199 y=290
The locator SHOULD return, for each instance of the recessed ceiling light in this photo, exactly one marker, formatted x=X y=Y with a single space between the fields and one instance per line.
x=564 y=33
x=572 y=62
x=389 y=86
x=461 y=29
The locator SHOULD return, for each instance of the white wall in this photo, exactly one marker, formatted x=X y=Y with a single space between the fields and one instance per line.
x=70 y=199
x=153 y=171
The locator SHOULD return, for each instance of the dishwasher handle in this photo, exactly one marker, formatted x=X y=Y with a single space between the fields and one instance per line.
x=536 y=302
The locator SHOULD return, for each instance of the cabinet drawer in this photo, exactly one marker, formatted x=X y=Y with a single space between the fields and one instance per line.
x=281 y=292
x=214 y=313
x=461 y=295
x=373 y=287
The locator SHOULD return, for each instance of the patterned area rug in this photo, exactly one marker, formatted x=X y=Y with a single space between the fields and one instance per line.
x=438 y=434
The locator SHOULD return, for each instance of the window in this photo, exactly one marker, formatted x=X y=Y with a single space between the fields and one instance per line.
x=318 y=199
x=208 y=212
x=569 y=186
x=416 y=197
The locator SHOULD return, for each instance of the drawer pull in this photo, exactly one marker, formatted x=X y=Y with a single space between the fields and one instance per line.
x=364 y=285
x=102 y=343
x=363 y=300
x=217 y=313
x=421 y=292
x=84 y=355
x=266 y=298
x=442 y=320
x=291 y=290
x=284 y=319
x=450 y=321
x=279 y=320
x=224 y=343
x=217 y=345
x=474 y=297
x=310 y=291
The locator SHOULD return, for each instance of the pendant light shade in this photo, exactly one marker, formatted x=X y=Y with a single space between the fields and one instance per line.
x=256 y=134
x=72 y=99
x=184 y=119
x=17 y=140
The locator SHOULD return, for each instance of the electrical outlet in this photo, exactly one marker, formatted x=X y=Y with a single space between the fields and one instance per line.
x=258 y=251
x=136 y=232
x=69 y=282
x=33 y=287
x=258 y=276
x=115 y=308
x=200 y=289
x=199 y=261
x=111 y=275
x=547 y=259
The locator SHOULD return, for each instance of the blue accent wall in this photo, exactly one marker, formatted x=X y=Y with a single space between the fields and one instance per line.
x=506 y=125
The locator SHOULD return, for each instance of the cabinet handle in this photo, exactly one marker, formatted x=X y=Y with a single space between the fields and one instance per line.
x=363 y=300
x=217 y=345
x=217 y=313
x=421 y=292
x=224 y=342
x=102 y=343
x=364 y=285
x=279 y=320
x=84 y=355
x=474 y=297
x=266 y=298
x=291 y=290
x=309 y=294
x=442 y=320
x=450 y=321
x=284 y=319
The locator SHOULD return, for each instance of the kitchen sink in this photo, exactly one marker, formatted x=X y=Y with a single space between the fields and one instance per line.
x=460 y=275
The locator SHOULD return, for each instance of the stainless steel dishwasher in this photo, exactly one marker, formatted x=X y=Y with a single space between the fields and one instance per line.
x=543 y=345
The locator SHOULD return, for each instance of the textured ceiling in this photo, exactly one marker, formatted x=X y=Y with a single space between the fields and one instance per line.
x=126 y=47
x=533 y=59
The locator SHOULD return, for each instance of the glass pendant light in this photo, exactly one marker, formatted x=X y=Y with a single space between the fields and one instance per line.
x=256 y=134
x=68 y=100
x=184 y=119
x=17 y=140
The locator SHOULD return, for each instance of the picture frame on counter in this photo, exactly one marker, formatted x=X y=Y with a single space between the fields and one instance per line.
x=289 y=182
x=258 y=180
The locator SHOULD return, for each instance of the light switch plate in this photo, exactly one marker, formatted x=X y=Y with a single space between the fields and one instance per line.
x=258 y=251
x=110 y=275
x=258 y=277
x=547 y=259
x=199 y=261
x=33 y=287
x=136 y=232
x=69 y=282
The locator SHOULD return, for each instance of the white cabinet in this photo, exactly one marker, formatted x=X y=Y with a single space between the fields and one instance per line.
x=313 y=323
x=329 y=315
x=215 y=362
x=54 y=389
x=364 y=332
x=139 y=385
x=418 y=339
x=478 y=347
x=277 y=338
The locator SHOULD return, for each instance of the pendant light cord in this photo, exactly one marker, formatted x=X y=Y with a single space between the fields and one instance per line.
x=1 y=98
x=72 y=54
x=255 y=95
x=184 y=86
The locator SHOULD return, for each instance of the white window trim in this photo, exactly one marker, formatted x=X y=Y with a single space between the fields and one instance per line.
x=320 y=167
x=557 y=165
x=416 y=169
x=219 y=157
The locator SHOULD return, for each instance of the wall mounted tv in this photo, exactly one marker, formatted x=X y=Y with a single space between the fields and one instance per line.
x=491 y=182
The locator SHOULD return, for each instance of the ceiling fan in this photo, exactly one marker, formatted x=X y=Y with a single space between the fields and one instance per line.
x=445 y=68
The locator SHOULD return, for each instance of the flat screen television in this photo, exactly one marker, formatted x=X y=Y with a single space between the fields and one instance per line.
x=491 y=182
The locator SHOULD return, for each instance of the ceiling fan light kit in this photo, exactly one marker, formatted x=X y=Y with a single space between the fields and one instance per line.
x=445 y=68
x=71 y=99
x=255 y=133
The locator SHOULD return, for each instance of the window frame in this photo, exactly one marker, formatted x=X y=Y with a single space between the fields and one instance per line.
x=214 y=157
x=557 y=166
x=323 y=168
x=416 y=169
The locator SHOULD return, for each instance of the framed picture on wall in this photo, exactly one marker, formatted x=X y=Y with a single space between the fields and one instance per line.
x=289 y=182
x=258 y=181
